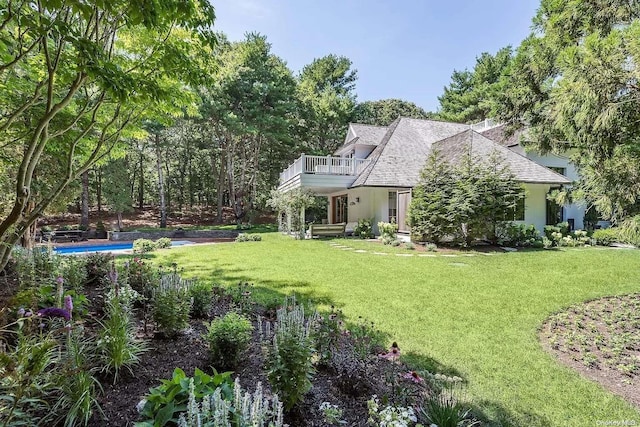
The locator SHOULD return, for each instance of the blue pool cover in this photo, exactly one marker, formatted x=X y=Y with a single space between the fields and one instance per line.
x=105 y=248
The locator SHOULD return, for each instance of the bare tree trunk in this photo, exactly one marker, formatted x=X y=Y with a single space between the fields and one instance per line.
x=141 y=178
x=28 y=238
x=220 y=188
x=84 y=206
x=119 y=221
x=99 y=190
x=163 y=208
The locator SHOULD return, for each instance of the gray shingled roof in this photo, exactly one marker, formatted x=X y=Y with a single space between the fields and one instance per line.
x=453 y=148
x=402 y=153
x=499 y=134
x=368 y=134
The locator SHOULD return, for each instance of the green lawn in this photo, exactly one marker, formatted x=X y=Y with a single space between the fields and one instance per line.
x=478 y=319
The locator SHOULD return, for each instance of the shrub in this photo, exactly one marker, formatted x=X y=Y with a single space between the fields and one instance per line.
x=98 y=266
x=248 y=238
x=395 y=243
x=228 y=338
x=517 y=234
x=605 y=236
x=241 y=298
x=163 y=243
x=390 y=415
x=364 y=229
x=289 y=361
x=74 y=271
x=143 y=246
x=35 y=267
x=117 y=343
x=410 y=246
x=431 y=247
x=331 y=414
x=387 y=231
x=581 y=237
x=165 y=402
x=244 y=410
x=171 y=304
x=141 y=277
x=201 y=296
x=629 y=231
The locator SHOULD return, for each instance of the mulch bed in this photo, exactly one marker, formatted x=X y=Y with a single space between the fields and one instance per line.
x=188 y=351
x=601 y=340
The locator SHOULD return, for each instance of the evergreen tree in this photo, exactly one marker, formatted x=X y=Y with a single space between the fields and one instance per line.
x=574 y=83
x=385 y=111
x=472 y=95
x=429 y=216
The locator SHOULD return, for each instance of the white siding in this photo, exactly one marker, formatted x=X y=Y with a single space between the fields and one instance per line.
x=363 y=151
x=373 y=203
x=573 y=211
x=535 y=205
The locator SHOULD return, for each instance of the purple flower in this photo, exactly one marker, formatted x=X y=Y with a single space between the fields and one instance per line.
x=68 y=303
x=59 y=280
x=21 y=312
x=113 y=275
x=413 y=376
x=54 y=312
x=28 y=313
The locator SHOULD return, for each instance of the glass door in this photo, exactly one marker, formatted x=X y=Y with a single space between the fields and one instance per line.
x=340 y=209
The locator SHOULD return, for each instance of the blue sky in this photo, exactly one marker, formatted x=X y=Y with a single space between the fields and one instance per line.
x=403 y=49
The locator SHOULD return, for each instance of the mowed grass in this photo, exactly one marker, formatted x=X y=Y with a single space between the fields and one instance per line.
x=474 y=316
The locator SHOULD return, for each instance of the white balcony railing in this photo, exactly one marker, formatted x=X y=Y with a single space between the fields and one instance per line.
x=323 y=165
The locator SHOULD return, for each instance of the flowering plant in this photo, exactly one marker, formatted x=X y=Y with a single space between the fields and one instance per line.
x=332 y=413
x=390 y=416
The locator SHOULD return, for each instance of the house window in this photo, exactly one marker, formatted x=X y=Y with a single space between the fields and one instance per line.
x=393 y=206
x=555 y=212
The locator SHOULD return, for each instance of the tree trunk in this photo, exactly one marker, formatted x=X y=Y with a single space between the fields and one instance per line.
x=99 y=190
x=220 y=189
x=119 y=221
x=27 y=240
x=141 y=178
x=163 y=208
x=84 y=205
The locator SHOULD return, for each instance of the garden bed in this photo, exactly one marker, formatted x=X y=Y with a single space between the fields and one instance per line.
x=601 y=340
x=104 y=311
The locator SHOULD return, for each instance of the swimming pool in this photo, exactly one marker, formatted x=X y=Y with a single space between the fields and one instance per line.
x=68 y=250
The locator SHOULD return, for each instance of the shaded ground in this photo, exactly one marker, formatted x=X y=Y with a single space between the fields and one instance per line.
x=149 y=217
x=601 y=340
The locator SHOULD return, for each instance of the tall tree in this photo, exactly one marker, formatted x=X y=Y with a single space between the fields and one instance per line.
x=250 y=109
x=471 y=95
x=116 y=189
x=77 y=77
x=385 y=111
x=327 y=99
x=574 y=83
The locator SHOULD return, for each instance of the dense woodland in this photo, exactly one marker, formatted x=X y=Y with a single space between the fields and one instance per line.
x=108 y=107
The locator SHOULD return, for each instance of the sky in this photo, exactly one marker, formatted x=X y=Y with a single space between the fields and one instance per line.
x=404 y=49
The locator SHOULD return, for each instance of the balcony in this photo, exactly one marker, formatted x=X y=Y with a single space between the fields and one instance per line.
x=322 y=174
